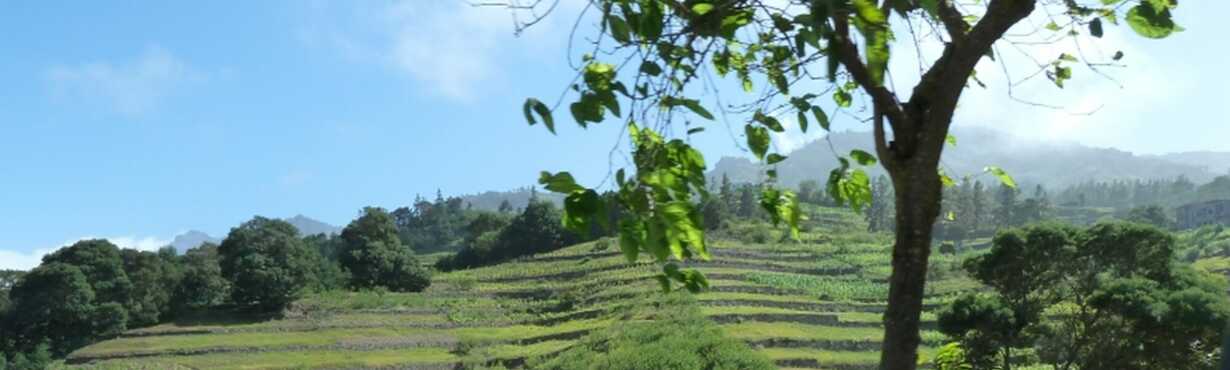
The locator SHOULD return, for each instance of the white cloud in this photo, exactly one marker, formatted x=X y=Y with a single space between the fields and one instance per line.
x=27 y=260
x=452 y=48
x=129 y=88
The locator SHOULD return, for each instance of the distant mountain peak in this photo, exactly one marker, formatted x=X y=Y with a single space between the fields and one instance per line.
x=311 y=226
x=192 y=239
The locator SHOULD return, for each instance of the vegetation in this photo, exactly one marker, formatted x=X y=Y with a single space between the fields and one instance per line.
x=671 y=46
x=679 y=338
x=1109 y=296
x=536 y=230
x=813 y=303
x=375 y=257
x=266 y=263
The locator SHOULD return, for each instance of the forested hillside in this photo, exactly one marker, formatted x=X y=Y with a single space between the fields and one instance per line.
x=1031 y=162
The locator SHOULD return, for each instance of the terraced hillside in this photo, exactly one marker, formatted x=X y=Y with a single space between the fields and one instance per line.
x=809 y=305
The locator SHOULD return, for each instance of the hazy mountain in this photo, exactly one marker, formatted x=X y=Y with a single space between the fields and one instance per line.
x=309 y=226
x=1216 y=162
x=518 y=198
x=1052 y=164
x=192 y=239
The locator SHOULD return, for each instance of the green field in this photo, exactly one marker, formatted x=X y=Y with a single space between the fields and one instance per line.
x=809 y=305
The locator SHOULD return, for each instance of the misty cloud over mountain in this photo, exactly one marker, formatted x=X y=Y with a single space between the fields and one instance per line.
x=1052 y=164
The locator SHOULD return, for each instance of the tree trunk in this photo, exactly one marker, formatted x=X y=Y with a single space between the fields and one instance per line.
x=918 y=192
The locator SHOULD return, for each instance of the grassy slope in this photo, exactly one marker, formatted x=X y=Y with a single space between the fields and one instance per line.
x=814 y=304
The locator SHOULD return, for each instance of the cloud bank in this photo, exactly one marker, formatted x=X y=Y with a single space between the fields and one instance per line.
x=18 y=260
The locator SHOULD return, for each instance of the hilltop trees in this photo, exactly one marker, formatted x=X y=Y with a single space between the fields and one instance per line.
x=373 y=254
x=102 y=265
x=55 y=304
x=538 y=229
x=266 y=263
x=201 y=284
x=153 y=281
x=1106 y=297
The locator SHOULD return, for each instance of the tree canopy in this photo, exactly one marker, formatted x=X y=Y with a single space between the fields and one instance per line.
x=266 y=263
x=1106 y=297
x=374 y=255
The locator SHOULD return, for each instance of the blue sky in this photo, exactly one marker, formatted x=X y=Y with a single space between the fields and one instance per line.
x=139 y=120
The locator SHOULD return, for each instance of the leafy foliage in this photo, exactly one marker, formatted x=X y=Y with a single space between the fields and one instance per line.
x=1106 y=297
x=100 y=261
x=536 y=230
x=266 y=262
x=55 y=304
x=201 y=284
x=375 y=257
x=153 y=280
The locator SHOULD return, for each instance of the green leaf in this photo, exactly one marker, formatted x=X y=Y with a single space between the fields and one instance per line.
x=853 y=187
x=757 y=139
x=946 y=180
x=694 y=280
x=1067 y=57
x=1003 y=176
x=875 y=36
x=821 y=118
x=632 y=235
x=702 y=8
x=561 y=182
x=651 y=20
x=588 y=109
x=619 y=29
x=1095 y=27
x=683 y=228
x=774 y=158
x=1118 y=56
x=1060 y=75
x=862 y=157
x=952 y=140
x=599 y=76
x=842 y=98
x=695 y=107
x=650 y=68
x=768 y=121
x=533 y=106
x=1150 y=22
x=782 y=206
x=1052 y=26
x=695 y=130
x=582 y=210
x=802 y=118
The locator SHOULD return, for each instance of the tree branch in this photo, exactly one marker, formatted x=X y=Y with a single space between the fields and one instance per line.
x=884 y=101
x=953 y=21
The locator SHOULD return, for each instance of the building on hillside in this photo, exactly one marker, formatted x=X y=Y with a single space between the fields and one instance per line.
x=1198 y=214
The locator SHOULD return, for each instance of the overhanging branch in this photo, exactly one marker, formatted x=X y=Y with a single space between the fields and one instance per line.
x=884 y=101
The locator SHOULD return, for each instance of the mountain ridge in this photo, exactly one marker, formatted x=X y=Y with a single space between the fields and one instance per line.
x=1030 y=162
